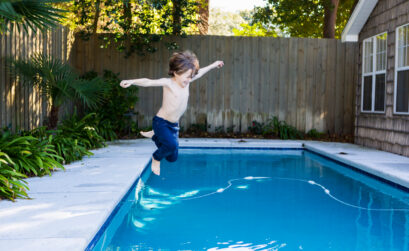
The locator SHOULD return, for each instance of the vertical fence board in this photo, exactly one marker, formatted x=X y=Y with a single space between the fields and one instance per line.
x=291 y=115
x=274 y=70
x=300 y=84
x=284 y=82
x=228 y=81
x=339 y=88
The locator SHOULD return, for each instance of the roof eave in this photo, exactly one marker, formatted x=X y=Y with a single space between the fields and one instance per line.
x=357 y=20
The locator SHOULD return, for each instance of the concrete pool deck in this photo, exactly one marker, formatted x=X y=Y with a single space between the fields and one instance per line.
x=69 y=207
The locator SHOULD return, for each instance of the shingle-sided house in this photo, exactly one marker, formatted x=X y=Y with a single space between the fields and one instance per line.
x=382 y=98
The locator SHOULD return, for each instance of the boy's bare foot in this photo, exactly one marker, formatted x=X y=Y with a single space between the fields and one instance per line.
x=148 y=134
x=155 y=166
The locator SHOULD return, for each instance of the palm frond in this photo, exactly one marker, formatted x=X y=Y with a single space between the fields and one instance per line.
x=51 y=75
x=34 y=14
x=91 y=92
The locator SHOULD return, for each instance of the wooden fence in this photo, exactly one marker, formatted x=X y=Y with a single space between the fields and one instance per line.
x=309 y=83
x=23 y=107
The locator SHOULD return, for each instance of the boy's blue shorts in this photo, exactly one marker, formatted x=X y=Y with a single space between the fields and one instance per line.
x=166 y=139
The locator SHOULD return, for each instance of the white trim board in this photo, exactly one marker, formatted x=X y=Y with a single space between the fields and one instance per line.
x=357 y=20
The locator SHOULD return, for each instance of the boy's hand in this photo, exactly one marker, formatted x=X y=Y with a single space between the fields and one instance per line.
x=125 y=83
x=218 y=64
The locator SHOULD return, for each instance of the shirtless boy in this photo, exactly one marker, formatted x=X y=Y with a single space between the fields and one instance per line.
x=183 y=69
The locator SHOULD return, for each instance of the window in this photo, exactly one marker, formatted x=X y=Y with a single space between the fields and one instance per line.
x=401 y=105
x=374 y=74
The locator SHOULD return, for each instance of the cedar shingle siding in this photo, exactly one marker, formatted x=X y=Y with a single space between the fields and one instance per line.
x=387 y=131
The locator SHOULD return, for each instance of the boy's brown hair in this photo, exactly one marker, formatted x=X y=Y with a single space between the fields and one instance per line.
x=180 y=62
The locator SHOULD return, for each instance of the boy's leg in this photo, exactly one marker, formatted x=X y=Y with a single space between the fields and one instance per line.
x=167 y=147
x=155 y=166
x=173 y=157
x=148 y=134
x=165 y=140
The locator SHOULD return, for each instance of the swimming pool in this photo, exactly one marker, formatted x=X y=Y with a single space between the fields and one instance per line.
x=215 y=199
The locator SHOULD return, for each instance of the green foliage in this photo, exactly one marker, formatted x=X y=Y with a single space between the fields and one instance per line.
x=68 y=148
x=283 y=130
x=230 y=129
x=39 y=14
x=197 y=128
x=65 y=146
x=255 y=30
x=313 y=133
x=301 y=18
x=256 y=127
x=81 y=130
x=59 y=83
x=114 y=114
x=30 y=155
x=134 y=25
x=275 y=127
x=11 y=184
x=219 y=129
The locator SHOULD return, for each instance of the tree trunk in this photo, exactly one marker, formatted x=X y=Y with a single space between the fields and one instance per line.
x=330 y=18
x=127 y=15
x=177 y=29
x=53 y=117
x=204 y=16
x=96 y=18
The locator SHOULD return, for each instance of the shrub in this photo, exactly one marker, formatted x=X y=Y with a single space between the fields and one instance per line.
x=114 y=115
x=197 y=128
x=313 y=133
x=65 y=146
x=275 y=127
x=11 y=184
x=82 y=131
x=256 y=127
x=31 y=155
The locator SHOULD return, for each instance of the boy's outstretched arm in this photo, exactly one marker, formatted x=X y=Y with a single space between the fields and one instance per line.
x=144 y=82
x=204 y=70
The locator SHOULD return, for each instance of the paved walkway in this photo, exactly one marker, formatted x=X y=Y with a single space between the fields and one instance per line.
x=68 y=208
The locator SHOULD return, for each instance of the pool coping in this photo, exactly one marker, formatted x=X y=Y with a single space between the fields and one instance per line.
x=386 y=166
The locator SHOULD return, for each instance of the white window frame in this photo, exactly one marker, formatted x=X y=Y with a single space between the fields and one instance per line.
x=374 y=73
x=396 y=71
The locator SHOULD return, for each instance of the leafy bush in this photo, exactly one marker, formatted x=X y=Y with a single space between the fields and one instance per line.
x=313 y=133
x=58 y=81
x=82 y=131
x=197 y=128
x=30 y=155
x=65 y=146
x=256 y=127
x=275 y=127
x=105 y=128
x=68 y=148
x=114 y=115
x=282 y=129
x=11 y=185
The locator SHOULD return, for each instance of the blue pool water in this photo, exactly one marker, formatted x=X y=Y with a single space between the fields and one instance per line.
x=258 y=200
